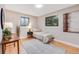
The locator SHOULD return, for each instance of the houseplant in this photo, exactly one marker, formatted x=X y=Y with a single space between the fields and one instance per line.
x=6 y=34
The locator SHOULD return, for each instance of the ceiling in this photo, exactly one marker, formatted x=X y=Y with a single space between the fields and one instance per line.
x=30 y=9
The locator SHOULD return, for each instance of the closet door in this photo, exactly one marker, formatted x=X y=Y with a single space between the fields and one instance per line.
x=2 y=18
x=1 y=23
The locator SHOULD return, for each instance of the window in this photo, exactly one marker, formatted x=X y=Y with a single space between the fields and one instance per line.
x=71 y=22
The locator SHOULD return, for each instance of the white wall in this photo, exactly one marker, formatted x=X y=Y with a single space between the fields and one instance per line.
x=58 y=31
x=14 y=17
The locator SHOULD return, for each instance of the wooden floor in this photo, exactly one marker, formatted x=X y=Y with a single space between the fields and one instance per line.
x=68 y=49
x=11 y=49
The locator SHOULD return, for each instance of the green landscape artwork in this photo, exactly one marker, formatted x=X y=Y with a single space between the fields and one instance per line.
x=51 y=21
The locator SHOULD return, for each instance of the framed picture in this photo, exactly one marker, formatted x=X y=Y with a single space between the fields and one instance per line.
x=24 y=21
x=51 y=21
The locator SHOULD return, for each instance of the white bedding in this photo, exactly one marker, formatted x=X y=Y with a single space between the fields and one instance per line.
x=35 y=46
x=42 y=36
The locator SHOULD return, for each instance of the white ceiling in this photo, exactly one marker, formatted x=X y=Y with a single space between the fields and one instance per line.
x=32 y=10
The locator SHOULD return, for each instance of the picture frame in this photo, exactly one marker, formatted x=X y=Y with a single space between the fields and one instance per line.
x=24 y=21
x=51 y=21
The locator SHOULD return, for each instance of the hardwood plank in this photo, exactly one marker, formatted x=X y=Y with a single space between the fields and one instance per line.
x=69 y=49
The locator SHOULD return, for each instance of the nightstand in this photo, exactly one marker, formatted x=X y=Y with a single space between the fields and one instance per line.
x=29 y=34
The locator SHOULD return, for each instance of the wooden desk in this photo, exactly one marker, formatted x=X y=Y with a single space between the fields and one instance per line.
x=4 y=43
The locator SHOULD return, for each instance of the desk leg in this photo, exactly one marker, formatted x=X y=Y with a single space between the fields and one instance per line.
x=14 y=44
x=18 y=46
x=3 y=49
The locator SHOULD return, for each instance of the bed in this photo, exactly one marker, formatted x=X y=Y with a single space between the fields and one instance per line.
x=45 y=37
x=35 y=46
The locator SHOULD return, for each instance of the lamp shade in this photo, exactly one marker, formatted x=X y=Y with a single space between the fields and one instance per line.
x=8 y=25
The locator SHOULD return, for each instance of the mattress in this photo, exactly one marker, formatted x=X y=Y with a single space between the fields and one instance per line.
x=35 y=46
x=38 y=35
x=44 y=37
